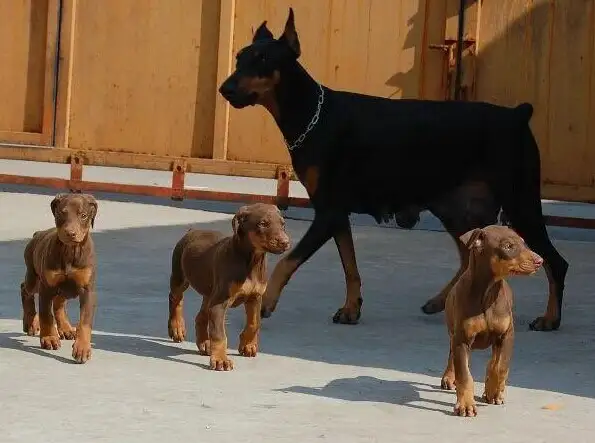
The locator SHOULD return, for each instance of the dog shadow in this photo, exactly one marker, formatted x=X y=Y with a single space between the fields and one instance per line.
x=146 y=347
x=375 y=390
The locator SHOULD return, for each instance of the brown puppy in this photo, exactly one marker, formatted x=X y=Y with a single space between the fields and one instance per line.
x=479 y=312
x=60 y=265
x=226 y=271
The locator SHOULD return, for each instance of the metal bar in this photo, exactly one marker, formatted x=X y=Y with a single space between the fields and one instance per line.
x=199 y=194
x=459 y=62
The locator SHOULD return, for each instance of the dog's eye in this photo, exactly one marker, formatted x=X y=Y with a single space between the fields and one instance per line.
x=84 y=216
x=507 y=246
x=264 y=224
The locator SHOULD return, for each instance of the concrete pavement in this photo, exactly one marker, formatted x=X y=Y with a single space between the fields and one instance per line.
x=313 y=380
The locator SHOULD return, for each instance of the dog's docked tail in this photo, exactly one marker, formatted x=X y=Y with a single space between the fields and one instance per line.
x=524 y=111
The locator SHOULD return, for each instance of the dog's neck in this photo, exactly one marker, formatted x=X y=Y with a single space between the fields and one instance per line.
x=253 y=258
x=72 y=253
x=483 y=282
x=295 y=101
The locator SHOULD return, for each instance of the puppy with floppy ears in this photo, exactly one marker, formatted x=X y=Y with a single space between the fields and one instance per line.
x=227 y=272
x=60 y=265
x=479 y=312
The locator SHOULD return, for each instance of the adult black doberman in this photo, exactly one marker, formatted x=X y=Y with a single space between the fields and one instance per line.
x=355 y=153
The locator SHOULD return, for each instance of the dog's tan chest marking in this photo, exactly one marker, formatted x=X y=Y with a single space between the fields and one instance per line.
x=80 y=276
x=240 y=293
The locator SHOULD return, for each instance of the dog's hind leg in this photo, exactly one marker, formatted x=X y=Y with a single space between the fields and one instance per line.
x=176 y=327
x=28 y=289
x=351 y=311
x=521 y=200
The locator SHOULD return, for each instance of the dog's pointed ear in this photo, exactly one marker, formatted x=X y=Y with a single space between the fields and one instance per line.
x=93 y=205
x=262 y=33
x=290 y=36
x=473 y=239
x=238 y=220
x=56 y=201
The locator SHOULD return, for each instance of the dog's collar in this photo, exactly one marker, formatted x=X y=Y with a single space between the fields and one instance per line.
x=296 y=144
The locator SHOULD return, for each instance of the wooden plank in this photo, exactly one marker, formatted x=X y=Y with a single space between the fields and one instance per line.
x=26 y=138
x=49 y=105
x=589 y=152
x=22 y=77
x=432 y=81
x=65 y=72
x=141 y=161
x=569 y=98
x=224 y=68
x=206 y=91
x=134 y=76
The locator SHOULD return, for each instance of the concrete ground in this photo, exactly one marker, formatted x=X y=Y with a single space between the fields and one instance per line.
x=313 y=380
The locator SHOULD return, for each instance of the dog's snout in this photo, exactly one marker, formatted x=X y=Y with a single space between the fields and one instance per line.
x=537 y=260
x=228 y=87
x=71 y=233
x=284 y=243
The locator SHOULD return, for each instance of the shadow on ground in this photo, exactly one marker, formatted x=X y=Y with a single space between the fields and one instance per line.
x=400 y=270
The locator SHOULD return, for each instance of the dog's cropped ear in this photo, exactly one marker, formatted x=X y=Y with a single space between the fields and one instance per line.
x=262 y=33
x=56 y=201
x=473 y=239
x=290 y=36
x=93 y=205
x=239 y=219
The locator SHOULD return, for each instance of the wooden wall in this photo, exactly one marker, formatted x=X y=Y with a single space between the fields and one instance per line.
x=136 y=82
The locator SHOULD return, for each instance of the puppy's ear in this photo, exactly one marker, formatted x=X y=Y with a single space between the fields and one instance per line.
x=262 y=33
x=290 y=36
x=56 y=201
x=473 y=239
x=239 y=219
x=93 y=208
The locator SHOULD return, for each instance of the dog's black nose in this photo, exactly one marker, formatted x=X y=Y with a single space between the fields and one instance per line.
x=227 y=89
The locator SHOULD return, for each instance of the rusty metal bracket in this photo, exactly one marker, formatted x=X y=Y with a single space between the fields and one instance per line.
x=450 y=47
x=282 y=188
x=76 y=171
x=177 y=179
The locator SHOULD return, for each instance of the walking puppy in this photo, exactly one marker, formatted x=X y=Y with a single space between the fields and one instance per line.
x=60 y=266
x=479 y=312
x=226 y=271
x=356 y=153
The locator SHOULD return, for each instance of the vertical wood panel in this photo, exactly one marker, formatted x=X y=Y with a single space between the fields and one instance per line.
x=135 y=74
x=28 y=30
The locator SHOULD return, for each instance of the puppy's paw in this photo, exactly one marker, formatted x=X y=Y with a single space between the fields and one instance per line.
x=50 y=342
x=433 y=306
x=221 y=363
x=465 y=406
x=493 y=398
x=448 y=382
x=31 y=324
x=66 y=331
x=204 y=347
x=176 y=329
x=248 y=349
x=81 y=350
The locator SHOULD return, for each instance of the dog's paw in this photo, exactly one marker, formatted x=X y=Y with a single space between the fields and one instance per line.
x=493 y=398
x=448 y=383
x=544 y=324
x=176 y=329
x=50 y=342
x=465 y=407
x=349 y=314
x=222 y=363
x=31 y=325
x=248 y=349
x=66 y=331
x=433 y=306
x=204 y=347
x=81 y=350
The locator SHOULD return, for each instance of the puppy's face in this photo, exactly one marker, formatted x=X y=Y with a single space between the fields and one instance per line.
x=263 y=226
x=507 y=252
x=74 y=215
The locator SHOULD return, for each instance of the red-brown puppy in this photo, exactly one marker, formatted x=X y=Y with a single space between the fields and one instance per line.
x=479 y=312
x=60 y=265
x=226 y=271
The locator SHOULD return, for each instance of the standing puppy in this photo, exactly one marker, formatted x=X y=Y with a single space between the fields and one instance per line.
x=479 y=312
x=60 y=265
x=226 y=271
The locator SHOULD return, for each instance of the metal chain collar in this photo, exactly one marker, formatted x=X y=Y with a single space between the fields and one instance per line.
x=312 y=123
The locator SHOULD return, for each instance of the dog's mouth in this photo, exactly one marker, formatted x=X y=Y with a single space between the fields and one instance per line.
x=278 y=247
x=240 y=100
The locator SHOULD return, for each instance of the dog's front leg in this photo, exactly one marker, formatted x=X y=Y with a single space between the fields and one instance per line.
x=497 y=370
x=48 y=334
x=81 y=348
x=319 y=232
x=351 y=311
x=465 y=406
